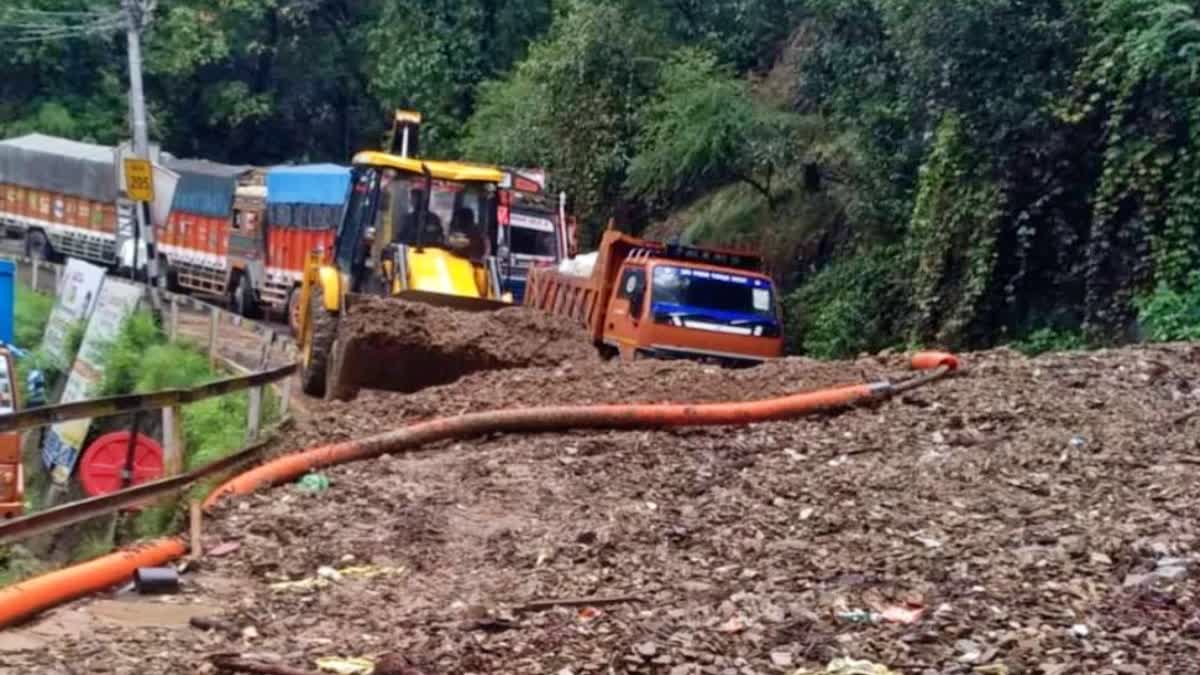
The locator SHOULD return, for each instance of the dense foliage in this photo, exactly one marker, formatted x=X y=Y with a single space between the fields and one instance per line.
x=960 y=173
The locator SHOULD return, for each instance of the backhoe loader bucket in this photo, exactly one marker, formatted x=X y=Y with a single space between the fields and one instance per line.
x=422 y=339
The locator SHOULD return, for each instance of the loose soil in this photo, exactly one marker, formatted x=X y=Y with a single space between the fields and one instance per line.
x=1039 y=513
x=388 y=343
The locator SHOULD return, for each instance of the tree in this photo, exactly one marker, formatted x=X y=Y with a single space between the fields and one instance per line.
x=582 y=90
x=704 y=127
x=430 y=56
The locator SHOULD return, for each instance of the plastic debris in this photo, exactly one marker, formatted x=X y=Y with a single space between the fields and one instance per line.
x=155 y=580
x=859 y=616
x=346 y=666
x=327 y=576
x=898 y=614
x=313 y=483
x=850 y=667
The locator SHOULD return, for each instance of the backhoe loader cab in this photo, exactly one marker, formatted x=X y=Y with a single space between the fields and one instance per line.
x=415 y=229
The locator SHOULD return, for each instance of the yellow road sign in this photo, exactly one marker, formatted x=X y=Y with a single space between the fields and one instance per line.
x=139 y=180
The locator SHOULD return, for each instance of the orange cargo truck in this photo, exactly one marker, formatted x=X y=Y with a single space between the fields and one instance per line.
x=639 y=298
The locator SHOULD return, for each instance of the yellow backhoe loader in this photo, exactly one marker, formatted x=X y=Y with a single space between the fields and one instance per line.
x=414 y=229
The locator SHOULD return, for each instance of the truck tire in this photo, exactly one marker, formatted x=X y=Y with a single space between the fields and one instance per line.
x=37 y=246
x=318 y=344
x=168 y=278
x=243 y=300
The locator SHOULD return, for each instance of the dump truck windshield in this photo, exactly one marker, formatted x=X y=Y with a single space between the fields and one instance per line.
x=709 y=300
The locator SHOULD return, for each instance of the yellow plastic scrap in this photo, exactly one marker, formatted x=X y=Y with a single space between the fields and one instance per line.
x=849 y=667
x=327 y=576
x=343 y=666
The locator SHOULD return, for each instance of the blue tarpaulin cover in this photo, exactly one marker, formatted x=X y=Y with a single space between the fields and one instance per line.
x=308 y=184
x=205 y=188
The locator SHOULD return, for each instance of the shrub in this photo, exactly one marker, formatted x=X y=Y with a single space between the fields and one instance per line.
x=1045 y=340
x=1168 y=314
x=849 y=307
x=30 y=314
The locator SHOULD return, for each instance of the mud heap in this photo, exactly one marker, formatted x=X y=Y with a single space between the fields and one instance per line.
x=406 y=346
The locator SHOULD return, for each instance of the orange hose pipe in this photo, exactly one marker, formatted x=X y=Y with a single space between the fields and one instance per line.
x=35 y=595
x=39 y=593
x=556 y=418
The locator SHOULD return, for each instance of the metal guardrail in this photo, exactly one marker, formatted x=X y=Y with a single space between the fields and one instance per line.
x=131 y=403
x=172 y=298
x=86 y=509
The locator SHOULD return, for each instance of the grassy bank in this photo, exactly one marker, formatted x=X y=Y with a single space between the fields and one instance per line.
x=139 y=359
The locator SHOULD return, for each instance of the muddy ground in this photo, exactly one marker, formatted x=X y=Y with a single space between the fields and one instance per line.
x=409 y=346
x=1028 y=516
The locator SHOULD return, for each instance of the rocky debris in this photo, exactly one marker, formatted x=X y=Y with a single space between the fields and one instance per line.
x=967 y=500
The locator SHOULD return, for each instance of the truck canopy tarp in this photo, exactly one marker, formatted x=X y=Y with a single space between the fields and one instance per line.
x=59 y=165
x=325 y=184
x=304 y=216
x=205 y=188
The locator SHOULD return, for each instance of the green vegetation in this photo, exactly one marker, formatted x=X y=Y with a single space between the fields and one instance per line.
x=31 y=312
x=140 y=359
x=1009 y=168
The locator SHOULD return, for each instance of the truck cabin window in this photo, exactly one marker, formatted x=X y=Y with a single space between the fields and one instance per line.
x=633 y=289
x=457 y=211
x=531 y=235
x=715 y=301
x=360 y=210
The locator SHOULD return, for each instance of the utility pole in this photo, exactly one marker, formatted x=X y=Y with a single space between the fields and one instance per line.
x=137 y=14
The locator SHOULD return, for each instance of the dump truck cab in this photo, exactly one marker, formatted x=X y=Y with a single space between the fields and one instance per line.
x=639 y=298
x=670 y=303
x=416 y=229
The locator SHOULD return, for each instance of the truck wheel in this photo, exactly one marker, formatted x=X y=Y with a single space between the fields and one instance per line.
x=37 y=246
x=243 y=298
x=317 y=344
x=168 y=278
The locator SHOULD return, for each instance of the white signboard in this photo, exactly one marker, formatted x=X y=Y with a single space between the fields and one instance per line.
x=80 y=288
x=531 y=222
x=118 y=299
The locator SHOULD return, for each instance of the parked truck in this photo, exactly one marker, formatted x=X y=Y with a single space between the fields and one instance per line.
x=65 y=197
x=242 y=233
x=639 y=298
x=533 y=228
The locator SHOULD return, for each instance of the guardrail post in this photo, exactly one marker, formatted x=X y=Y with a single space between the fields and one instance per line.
x=34 y=281
x=254 y=414
x=58 y=275
x=214 y=318
x=173 y=322
x=172 y=422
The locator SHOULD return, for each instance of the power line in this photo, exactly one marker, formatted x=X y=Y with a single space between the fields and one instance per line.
x=27 y=26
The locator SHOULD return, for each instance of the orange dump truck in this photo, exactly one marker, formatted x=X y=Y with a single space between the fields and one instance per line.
x=641 y=298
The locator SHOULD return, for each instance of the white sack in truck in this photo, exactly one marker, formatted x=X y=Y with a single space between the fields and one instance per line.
x=579 y=266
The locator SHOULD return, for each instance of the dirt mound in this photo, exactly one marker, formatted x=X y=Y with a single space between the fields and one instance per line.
x=387 y=343
x=1028 y=516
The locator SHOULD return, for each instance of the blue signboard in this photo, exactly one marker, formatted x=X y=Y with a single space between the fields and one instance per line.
x=7 y=279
